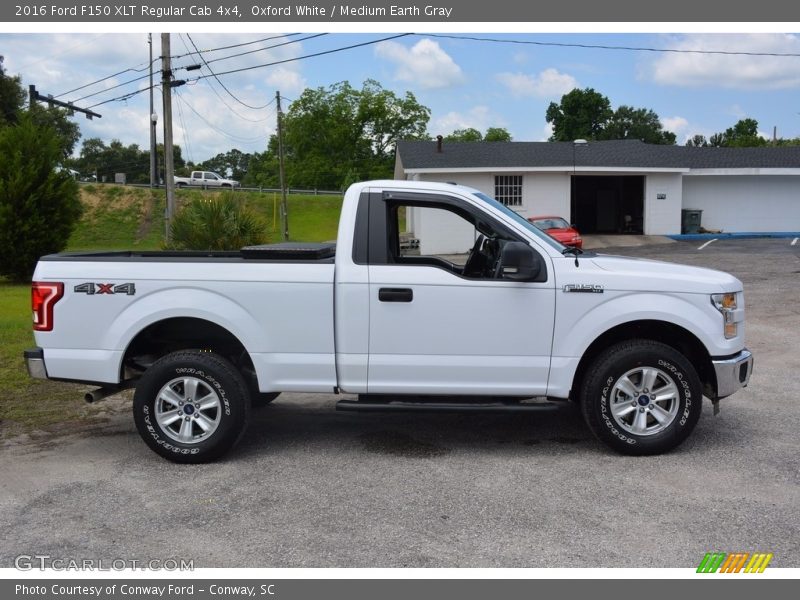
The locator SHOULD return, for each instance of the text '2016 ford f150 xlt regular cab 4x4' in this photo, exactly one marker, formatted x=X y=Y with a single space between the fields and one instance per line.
x=400 y=314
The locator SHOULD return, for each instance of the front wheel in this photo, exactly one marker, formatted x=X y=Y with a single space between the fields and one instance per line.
x=191 y=406
x=641 y=397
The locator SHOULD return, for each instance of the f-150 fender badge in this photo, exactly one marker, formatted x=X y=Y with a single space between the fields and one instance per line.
x=583 y=288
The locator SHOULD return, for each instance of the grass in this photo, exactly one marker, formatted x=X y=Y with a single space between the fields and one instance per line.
x=117 y=218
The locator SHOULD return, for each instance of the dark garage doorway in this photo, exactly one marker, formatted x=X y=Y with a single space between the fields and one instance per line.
x=608 y=204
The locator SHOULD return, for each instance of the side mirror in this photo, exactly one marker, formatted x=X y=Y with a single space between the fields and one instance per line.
x=519 y=262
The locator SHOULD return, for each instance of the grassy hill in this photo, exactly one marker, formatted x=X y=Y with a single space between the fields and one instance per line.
x=127 y=218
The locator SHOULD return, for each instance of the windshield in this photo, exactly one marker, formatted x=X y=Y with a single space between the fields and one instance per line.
x=551 y=223
x=521 y=220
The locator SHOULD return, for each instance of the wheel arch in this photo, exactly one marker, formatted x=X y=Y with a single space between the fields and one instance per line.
x=675 y=336
x=182 y=333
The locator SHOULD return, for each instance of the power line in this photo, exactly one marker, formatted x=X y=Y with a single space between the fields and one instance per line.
x=297 y=41
x=266 y=39
x=287 y=60
x=214 y=127
x=125 y=96
x=113 y=87
x=224 y=87
x=189 y=154
x=606 y=47
x=131 y=69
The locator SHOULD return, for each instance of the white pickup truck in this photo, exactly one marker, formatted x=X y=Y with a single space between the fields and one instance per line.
x=517 y=322
x=206 y=179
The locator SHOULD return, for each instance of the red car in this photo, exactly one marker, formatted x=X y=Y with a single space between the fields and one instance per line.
x=560 y=229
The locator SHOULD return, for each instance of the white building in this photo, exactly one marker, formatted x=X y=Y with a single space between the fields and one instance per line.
x=623 y=186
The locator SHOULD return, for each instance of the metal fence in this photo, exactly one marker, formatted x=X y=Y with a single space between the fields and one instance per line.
x=307 y=192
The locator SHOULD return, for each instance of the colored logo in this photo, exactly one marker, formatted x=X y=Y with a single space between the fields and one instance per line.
x=737 y=562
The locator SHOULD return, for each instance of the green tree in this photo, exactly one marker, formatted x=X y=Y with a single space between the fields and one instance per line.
x=336 y=133
x=743 y=134
x=470 y=134
x=587 y=114
x=497 y=134
x=12 y=105
x=233 y=163
x=12 y=96
x=39 y=203
x=698 y=141
x=464 y=135
x=629 y=123
x=105 y=160
x=581 y=114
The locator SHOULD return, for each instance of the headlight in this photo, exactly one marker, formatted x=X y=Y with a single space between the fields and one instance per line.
x=726 y=304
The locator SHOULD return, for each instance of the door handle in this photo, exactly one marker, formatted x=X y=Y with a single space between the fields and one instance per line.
x=395 y=294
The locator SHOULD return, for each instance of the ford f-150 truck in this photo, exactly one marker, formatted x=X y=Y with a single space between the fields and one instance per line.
x=503 y=318
x=205 y=179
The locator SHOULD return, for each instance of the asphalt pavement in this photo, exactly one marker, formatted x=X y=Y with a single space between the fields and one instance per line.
x=311 y=487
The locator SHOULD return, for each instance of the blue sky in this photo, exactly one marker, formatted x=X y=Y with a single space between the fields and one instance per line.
x=465 y=83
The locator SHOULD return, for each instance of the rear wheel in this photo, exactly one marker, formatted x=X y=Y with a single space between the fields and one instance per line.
x=641 y=397
x=191 y=406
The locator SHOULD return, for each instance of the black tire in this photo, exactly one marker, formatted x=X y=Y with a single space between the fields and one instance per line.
x=180 y=185
x=262 y=399
x=218 y=384
x=628 y=363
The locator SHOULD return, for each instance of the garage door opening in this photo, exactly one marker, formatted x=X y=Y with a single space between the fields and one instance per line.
x=608 y=204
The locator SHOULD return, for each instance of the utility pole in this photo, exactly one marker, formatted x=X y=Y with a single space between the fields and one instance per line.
x=169 y=165
x=152 y=117
x=284 y=203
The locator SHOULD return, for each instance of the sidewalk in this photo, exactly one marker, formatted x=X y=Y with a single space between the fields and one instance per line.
x=591 y=242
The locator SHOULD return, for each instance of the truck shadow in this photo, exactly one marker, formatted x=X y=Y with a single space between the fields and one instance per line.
x=317 y=424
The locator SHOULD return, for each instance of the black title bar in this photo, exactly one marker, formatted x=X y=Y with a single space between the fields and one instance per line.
x=385 y=11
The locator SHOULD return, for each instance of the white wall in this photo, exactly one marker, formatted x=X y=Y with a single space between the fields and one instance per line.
x=733 y=203
x=662 y=216
x=546 y=194
x=442 y=232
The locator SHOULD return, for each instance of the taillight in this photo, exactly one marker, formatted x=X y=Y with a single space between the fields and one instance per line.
x=44 y=295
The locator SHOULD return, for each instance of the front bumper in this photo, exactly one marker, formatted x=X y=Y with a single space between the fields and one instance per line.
x=733 y=373
x=34 y=361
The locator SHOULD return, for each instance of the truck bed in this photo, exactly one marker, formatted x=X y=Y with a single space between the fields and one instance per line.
x=283 y=252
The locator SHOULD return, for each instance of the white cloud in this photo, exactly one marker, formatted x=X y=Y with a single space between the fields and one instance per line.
x=424 y=64
x=56 y=63
x=478 y=117
x=286 y=80
x=550 y=83
x=676 y=125
x=729 y=71
x=547 y=131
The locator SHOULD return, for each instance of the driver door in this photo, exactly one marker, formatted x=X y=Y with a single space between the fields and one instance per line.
x=435 y=330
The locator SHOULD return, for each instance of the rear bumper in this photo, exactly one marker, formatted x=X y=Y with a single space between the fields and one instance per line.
x=733 y=373
x=34 y=361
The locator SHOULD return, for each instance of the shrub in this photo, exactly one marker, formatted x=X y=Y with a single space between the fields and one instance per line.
x=39 y=204
x=220 y=222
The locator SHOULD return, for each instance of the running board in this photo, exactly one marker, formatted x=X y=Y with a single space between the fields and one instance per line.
x=439 y=406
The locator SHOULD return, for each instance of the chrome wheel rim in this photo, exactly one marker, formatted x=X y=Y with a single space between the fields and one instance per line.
x=188 y=410
x=644 y=401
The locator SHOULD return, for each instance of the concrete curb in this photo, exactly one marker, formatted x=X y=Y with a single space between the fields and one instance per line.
x=739 y=235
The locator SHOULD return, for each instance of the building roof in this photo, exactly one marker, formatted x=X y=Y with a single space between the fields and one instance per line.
x=616 y=153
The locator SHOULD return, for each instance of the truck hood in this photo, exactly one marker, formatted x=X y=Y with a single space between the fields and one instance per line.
x=638 y=274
